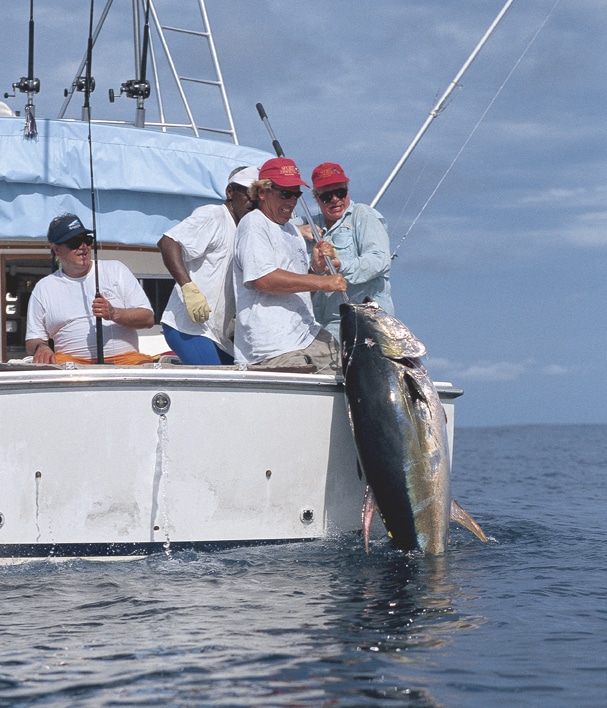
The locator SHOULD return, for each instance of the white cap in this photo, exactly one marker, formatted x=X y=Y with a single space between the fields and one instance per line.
x=244 y=177
x=5 y=110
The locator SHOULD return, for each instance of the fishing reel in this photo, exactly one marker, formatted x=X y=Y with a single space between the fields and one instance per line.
x=133 y=88
x=80 y=84
x=24 y=85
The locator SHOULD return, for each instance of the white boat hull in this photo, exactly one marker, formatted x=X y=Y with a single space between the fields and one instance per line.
x=88 y=467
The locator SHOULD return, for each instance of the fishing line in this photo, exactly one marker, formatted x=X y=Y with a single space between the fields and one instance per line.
x=401 y=215
x=475 y=128
x=87 y=112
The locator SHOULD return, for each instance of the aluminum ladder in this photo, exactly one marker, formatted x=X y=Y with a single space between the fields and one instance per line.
x=164 y=69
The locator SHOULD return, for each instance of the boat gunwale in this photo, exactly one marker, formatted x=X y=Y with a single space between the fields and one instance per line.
x=54 y=376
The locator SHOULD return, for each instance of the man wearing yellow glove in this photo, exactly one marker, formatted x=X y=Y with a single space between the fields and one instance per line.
x=198 y=253
x=195 y=303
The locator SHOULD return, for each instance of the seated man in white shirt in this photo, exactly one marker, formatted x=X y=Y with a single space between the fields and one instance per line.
x=64 y=307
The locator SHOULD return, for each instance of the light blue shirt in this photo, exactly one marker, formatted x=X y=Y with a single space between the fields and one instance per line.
x=361 y=240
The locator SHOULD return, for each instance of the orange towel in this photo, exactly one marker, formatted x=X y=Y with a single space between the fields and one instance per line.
x=126 y=359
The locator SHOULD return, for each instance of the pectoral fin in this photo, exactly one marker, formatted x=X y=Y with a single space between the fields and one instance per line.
x=369 y=509
x=462 y=517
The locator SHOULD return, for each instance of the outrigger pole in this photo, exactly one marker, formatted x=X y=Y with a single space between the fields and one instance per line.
x=280 y=153
x=89 y=85
x=440 y=104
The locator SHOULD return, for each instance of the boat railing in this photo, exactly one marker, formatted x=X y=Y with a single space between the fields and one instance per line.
x=164 y=70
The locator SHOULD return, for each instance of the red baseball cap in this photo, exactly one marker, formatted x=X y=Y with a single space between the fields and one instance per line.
x=282 y=171
x=328 y=173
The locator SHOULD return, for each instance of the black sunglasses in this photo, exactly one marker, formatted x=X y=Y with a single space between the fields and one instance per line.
x=326 y=197
x=240 y=188
x=76 y=241
x=287 y=193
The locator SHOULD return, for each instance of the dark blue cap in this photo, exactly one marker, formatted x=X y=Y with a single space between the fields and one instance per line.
x=63 y=229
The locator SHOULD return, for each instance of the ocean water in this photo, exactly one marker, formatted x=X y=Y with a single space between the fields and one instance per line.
x=520 y=621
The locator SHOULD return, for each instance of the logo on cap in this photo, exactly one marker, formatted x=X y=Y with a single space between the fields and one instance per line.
x=289 y=170
x=328 y=173
x=282 y=171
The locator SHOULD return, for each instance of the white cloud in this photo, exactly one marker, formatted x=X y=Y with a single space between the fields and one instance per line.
x=564 y=196
x=486 y=371
x=554 y=370
x=498 y=371
x=583 y=229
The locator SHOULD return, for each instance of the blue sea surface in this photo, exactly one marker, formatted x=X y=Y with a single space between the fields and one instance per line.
x=519 y=621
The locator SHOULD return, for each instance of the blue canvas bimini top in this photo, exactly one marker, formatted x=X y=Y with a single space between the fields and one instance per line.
x=145 y=181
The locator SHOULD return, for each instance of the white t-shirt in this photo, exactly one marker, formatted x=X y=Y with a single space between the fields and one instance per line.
x=207 y=245
x=60 y=308
x=269 y=325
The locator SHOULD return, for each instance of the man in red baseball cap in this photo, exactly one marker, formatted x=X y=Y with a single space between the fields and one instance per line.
x=273 y=279
x=283 y=172
x=361 y=241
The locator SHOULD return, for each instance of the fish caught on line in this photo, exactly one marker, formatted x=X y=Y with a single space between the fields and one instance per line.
x=400 y=432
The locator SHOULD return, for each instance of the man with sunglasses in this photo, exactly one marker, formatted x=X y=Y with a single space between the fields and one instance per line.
x=63 y=306
x=361 y=240
x=275 y=324
x=198 y=253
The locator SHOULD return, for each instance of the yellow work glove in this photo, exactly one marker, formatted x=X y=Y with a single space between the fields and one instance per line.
x=195 y=303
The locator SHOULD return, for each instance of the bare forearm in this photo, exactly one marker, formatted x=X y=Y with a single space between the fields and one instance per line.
x=133 y=317
x=172 y=258
x=283 y=282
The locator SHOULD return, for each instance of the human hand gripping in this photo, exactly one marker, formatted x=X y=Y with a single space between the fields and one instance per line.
x=102 y=308
x=321 y=251
x=333 y=283
x=195 y=303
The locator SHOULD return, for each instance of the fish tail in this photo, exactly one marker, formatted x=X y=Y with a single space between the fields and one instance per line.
x=462 y=517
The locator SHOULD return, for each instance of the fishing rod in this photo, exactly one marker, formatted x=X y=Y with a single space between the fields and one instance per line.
x=280 y=153
x=29 y=84
x=439 y=106
x=78 y=82
x=86 y=115
x=144 y=84
x=138 y=88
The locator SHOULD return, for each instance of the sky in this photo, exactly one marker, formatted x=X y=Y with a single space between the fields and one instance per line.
x=498 y=218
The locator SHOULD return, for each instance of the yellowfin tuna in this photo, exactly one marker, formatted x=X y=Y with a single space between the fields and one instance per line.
x=400 y=432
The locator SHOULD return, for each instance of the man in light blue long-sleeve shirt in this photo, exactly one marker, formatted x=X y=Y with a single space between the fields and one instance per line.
x=361 y=240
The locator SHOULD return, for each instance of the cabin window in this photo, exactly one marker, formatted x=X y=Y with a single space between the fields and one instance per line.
x=158 y=291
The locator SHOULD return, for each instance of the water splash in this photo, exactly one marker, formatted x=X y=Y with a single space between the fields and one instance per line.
x=38 y=477
x=160 y=486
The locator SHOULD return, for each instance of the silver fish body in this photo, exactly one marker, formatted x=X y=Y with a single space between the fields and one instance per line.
x=399 y=427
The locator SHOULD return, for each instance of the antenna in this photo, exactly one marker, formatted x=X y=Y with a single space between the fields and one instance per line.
x=28 y=84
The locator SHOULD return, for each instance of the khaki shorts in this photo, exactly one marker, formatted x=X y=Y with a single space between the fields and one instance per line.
x=323 y=353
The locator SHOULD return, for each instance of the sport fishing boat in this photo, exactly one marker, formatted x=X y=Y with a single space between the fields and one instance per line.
x=103 y=461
